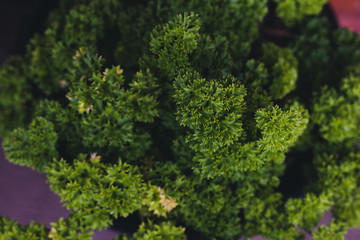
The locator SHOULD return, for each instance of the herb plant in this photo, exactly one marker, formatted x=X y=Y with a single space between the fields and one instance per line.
x=188 y=117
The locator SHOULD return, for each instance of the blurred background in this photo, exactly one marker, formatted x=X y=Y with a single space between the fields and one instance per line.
x=24 y=194
x=348 y=13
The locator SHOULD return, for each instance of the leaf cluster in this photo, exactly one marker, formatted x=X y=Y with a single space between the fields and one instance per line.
x=179 y=114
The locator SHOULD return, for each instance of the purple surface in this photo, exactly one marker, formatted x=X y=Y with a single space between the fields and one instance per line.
x=353 y=234
x=25 y=196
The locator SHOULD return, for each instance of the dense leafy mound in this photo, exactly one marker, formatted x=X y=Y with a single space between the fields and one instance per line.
x=181 y=115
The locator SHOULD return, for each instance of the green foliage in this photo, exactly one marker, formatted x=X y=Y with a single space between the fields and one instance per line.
x=10 y=229
x=14 y=95
x=92 y=190
x=212 y=109
x=156 y=201
x=337 y=114
x=27 y=147
x=308 y=211
x=106 y=108
x=314 y=50
x=163 y=231
x=339 y=180
x=180 y=114
x=269 y=211
x=333 y=231
x=151 y=231
x=283 y=69
x=230 y=19
x=70 y=229
x=173 y=42
x=280 y=129
x=294 y=10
